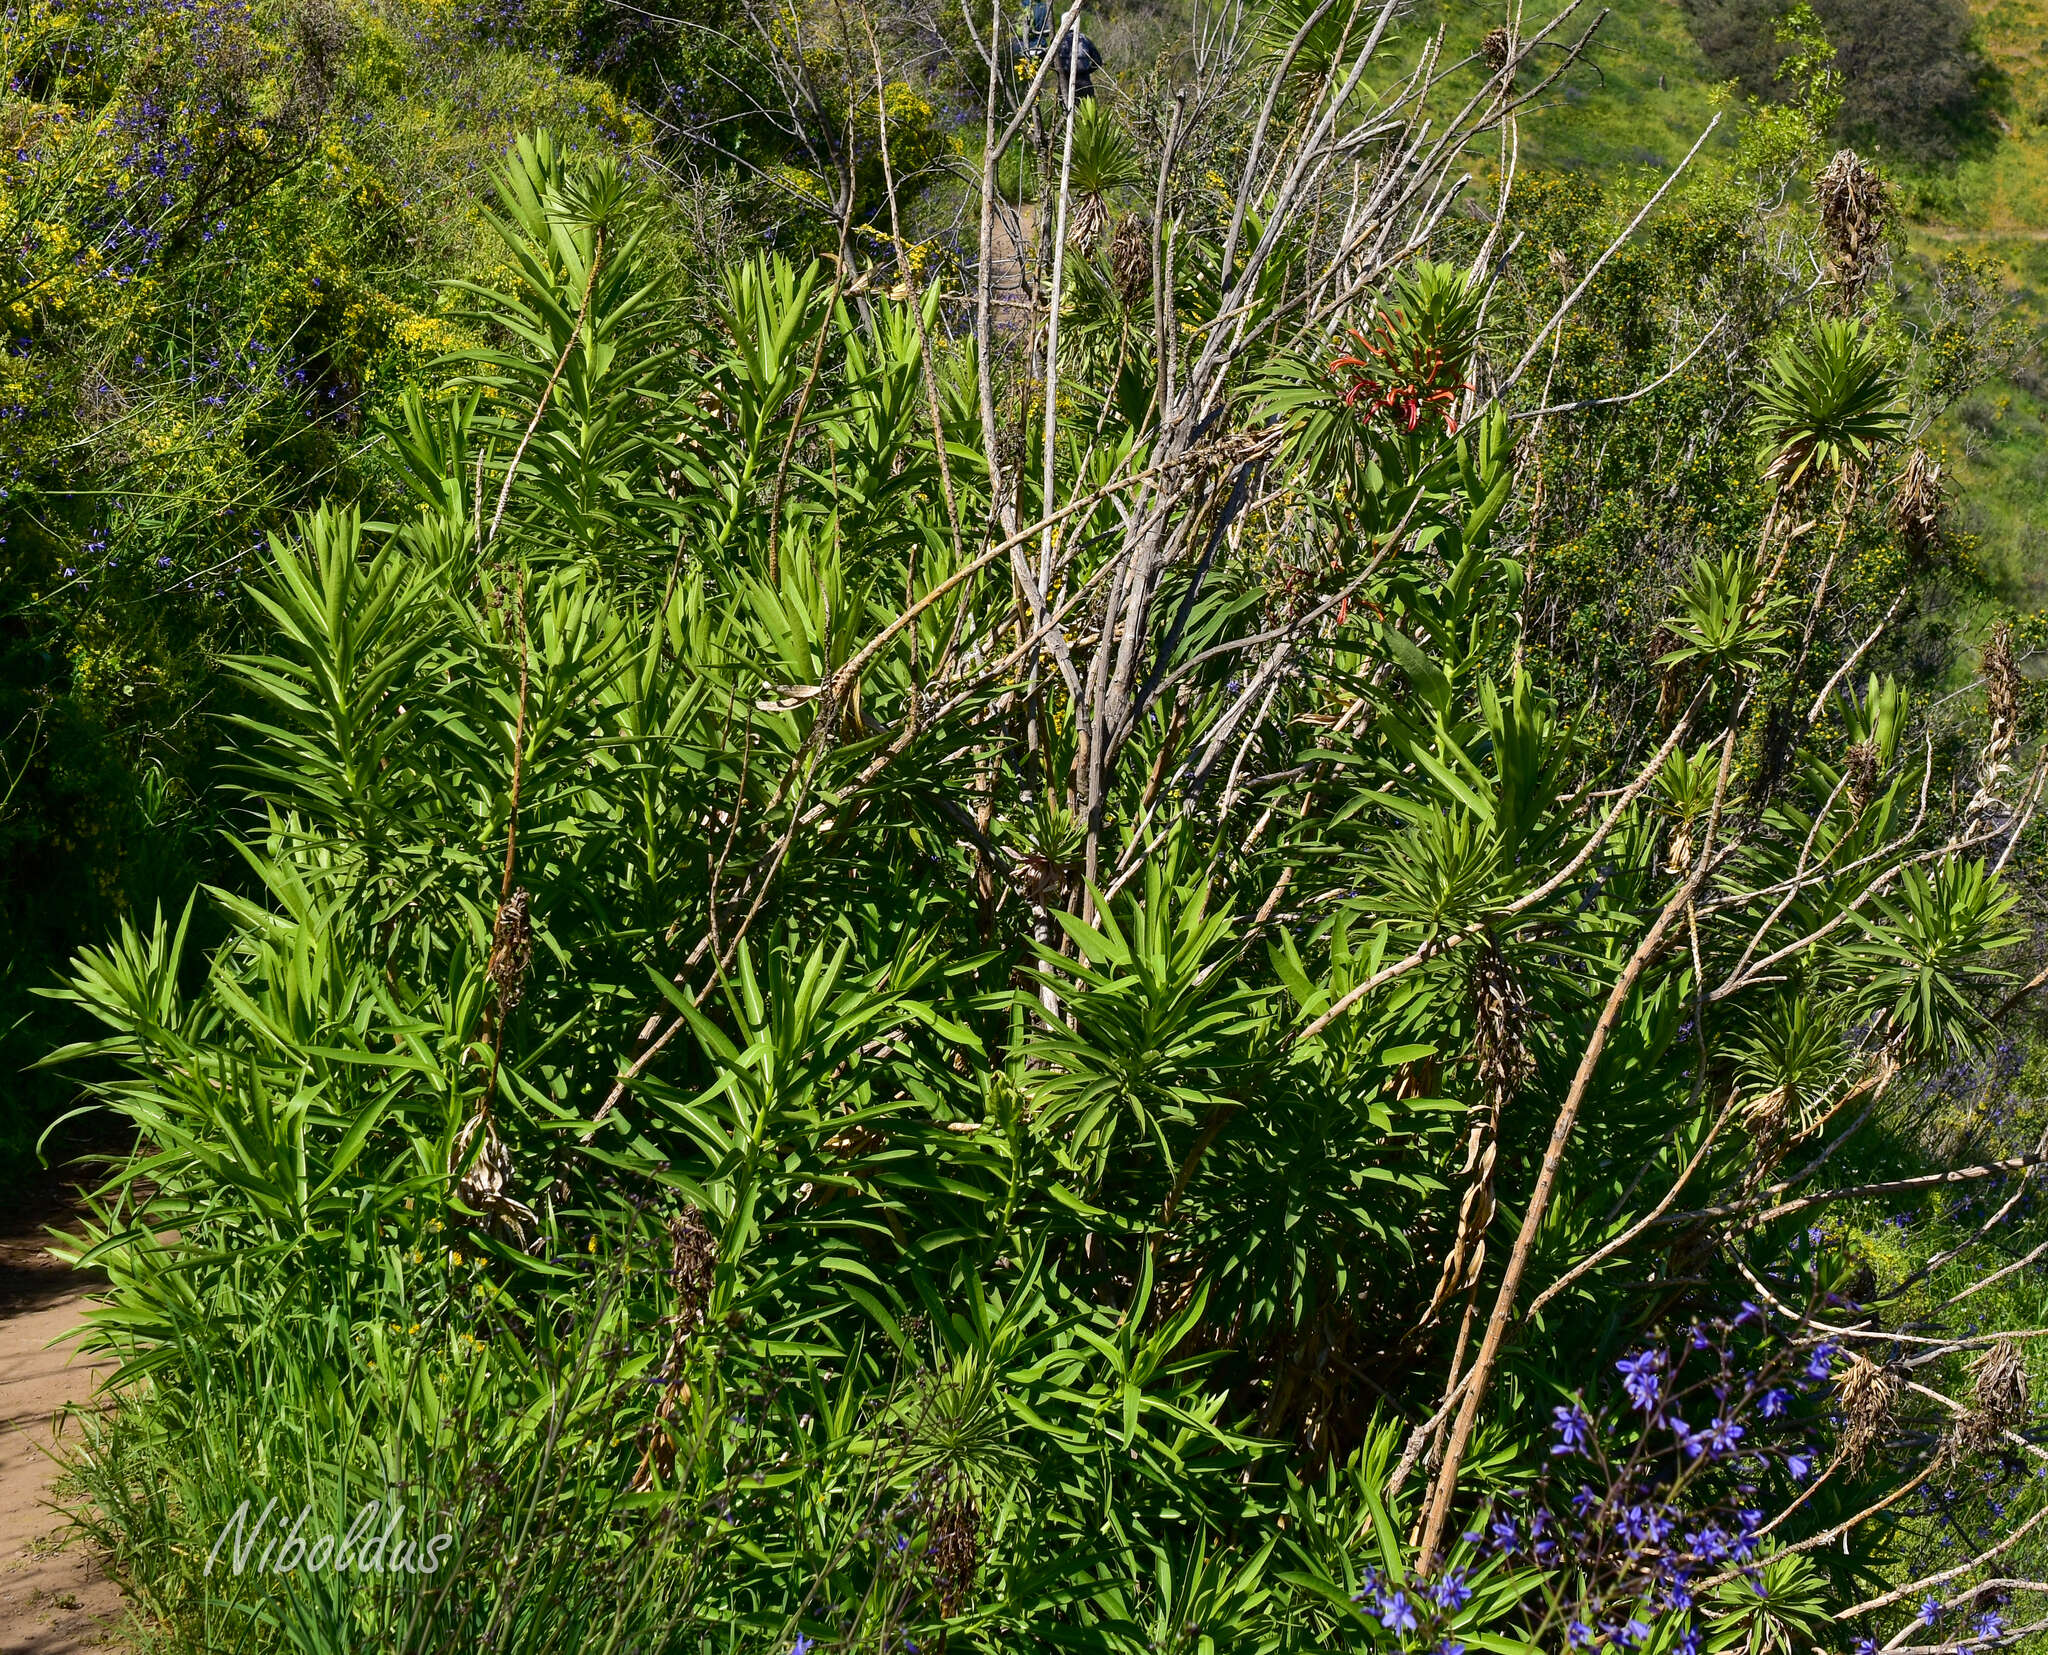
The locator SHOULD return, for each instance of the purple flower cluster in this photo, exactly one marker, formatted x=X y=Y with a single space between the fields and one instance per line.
x=1424 y=1615
x=1662 y=1491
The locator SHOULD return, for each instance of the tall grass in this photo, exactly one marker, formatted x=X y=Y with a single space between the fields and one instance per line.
x=499 y=1452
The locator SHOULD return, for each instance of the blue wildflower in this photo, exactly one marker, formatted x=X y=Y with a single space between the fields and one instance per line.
x=1710 y=1542
x=1397 y=1614
x=1574 y=1430
x=1640 y=1378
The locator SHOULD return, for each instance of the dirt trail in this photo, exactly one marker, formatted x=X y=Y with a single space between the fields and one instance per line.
x=53 y=1597
x=1013 y=243
x=1949 y=232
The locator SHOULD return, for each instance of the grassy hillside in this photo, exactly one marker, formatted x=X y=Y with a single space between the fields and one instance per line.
x=1995 y=202
x=1638 y=97
x=2002 y=190
x=1952 y=97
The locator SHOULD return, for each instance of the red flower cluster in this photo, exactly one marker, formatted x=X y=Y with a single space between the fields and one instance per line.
x=1398 y=376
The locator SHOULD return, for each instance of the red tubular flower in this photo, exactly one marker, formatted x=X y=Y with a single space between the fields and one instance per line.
x=1402 y=383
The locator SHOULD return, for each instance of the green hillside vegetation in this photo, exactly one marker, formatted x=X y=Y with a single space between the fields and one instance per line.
x=232 y=235
x=1950 y=97
x=1284 y=908
x=1955 y=100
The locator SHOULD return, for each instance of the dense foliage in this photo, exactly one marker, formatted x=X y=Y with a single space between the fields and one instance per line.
x=1234 y=934
x=229 y=230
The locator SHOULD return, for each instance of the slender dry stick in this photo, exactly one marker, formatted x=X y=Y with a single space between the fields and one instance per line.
x=1251 y=160
x=1420 y=1436
x=984 y=292
x=1798 y=881
x=1995 y=1277
x=1869 y=893
x=1455 y=1386
x=1586 y=404
x=1553 y=1163
x=1052 y=322
x=1244 y=747
x=548 y=390
x=1577 y=293
x=1313 y=150
x=803 y=404
x=1439 y=945
x=1848 y=666
x=511 y=841
x=1820 y=591
x=1600 y=1256
x=1893 y=1186
x=1808 y=1492
x=1949 y=1255
x=924 y=344
x=1382 y=212
x=1742 y=898
x=1931 y=1349
x=1025 y=109
x=1902 y=1593
x=846 y=675
x=721 y=963
x=1962 y=1646
x=1510 y=138
x=1162 y=268
x=1814 y=1542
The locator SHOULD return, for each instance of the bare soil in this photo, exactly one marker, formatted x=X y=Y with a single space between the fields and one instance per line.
x=1013 y=245
x=54 y=1597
